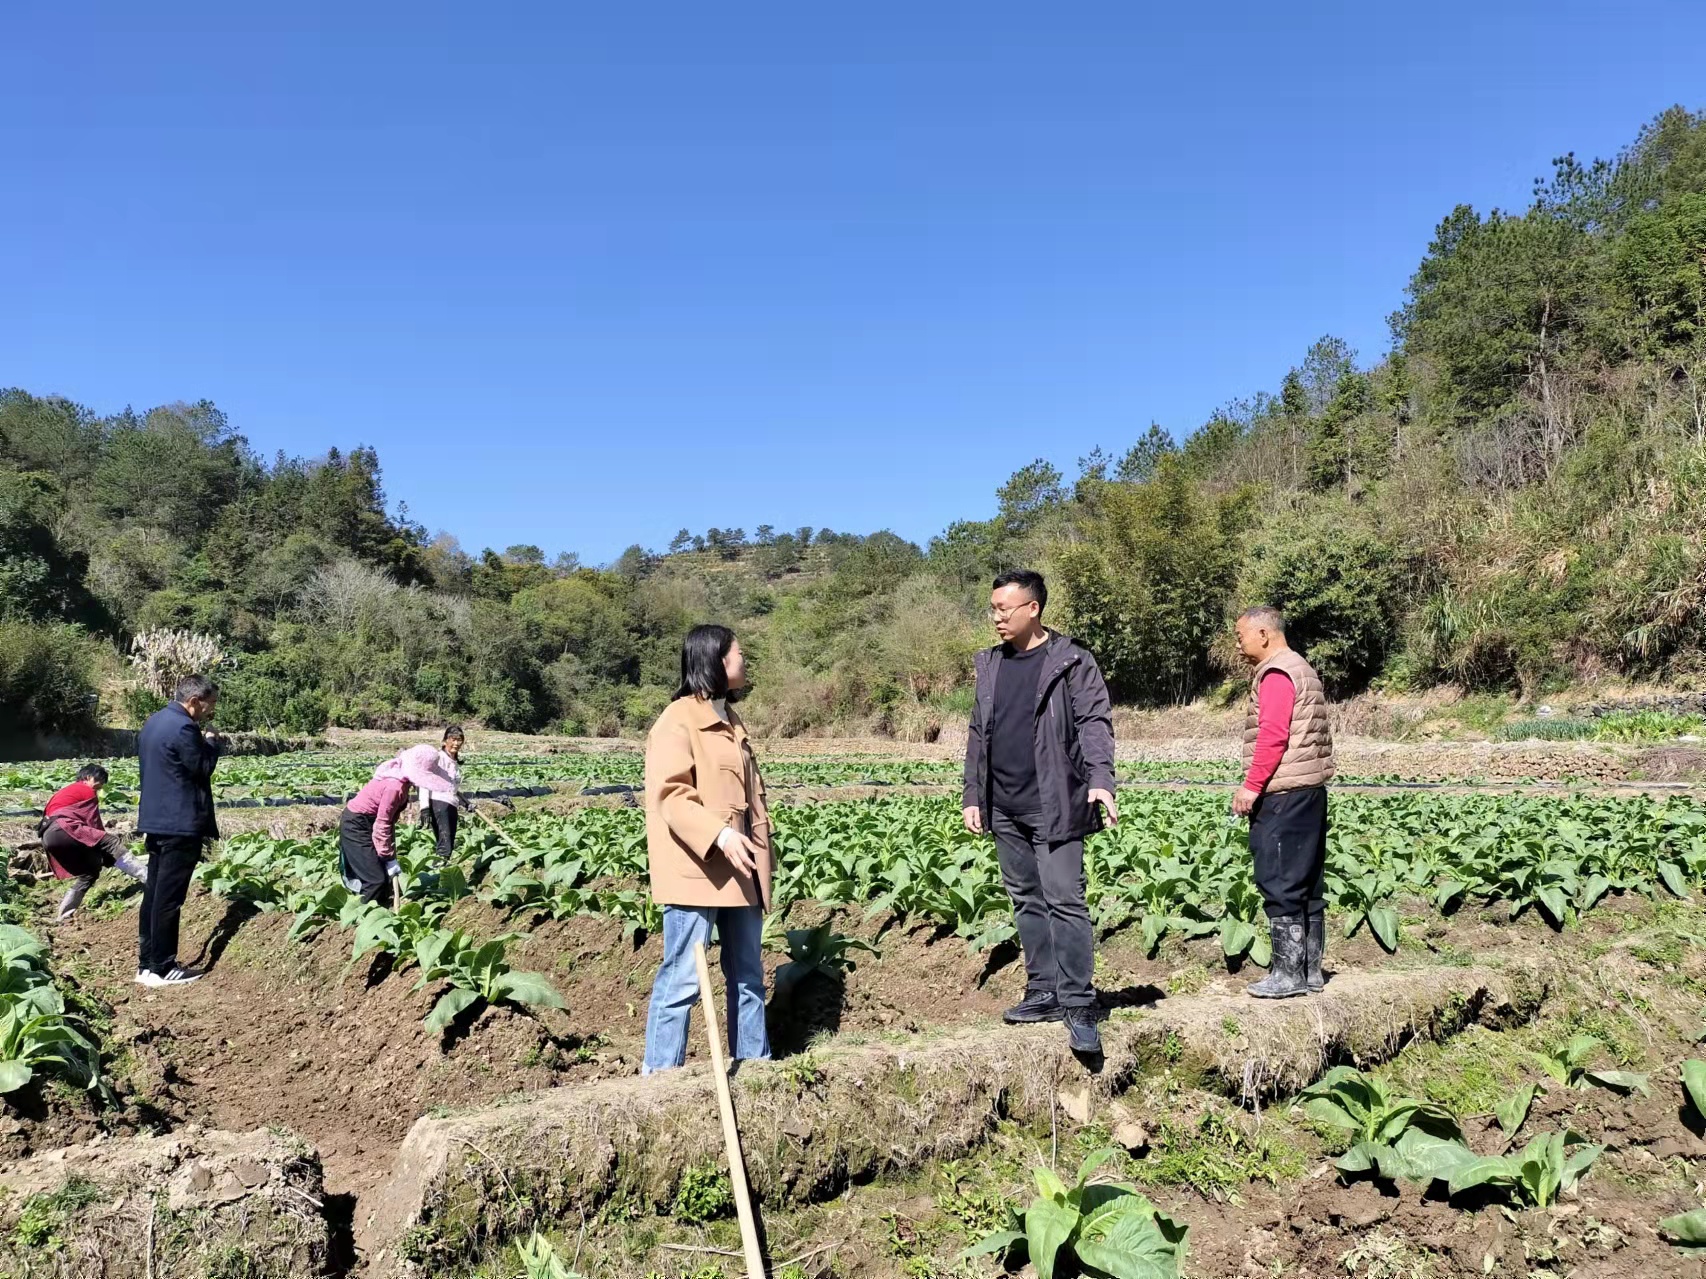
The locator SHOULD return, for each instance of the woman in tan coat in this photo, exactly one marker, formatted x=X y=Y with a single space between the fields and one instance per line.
x=708 y=846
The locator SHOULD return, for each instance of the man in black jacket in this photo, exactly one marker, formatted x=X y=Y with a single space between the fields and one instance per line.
x=175 y=814
x=1039 y=759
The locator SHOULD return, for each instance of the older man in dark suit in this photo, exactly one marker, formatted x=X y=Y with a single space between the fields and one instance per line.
x=175 y=815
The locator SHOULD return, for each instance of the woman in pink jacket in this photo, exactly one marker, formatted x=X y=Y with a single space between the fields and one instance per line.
x=367 y=829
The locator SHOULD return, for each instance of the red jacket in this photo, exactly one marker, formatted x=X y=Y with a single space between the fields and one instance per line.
x=76 y=810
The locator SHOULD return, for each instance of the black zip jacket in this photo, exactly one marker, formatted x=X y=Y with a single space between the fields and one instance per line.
x=1073 y=734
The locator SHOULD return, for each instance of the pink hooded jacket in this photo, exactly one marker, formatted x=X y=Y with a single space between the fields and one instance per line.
x=385 y=797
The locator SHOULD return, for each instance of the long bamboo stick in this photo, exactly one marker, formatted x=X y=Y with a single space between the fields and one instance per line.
x=731 y=1134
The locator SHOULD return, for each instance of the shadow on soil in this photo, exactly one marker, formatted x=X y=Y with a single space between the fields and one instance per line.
x=814 y=1009
x=1140 y=996
x=236 y=915
x=1000 y=956
x=340 y=1228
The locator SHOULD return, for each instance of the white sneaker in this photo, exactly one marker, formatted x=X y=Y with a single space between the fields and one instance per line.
x=179 y=975
x=144 y=977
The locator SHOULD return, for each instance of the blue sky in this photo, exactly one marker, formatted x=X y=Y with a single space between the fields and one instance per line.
x=585 y=274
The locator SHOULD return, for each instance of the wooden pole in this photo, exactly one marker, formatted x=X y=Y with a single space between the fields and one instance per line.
x=731 y=1134
x=500 y=832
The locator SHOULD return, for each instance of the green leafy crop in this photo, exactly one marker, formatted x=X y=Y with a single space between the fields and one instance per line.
x=1107 y=1228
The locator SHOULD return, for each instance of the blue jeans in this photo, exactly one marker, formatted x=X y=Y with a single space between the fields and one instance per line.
x=740 y=930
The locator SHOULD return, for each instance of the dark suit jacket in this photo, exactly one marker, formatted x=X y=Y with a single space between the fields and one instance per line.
x=177 y=777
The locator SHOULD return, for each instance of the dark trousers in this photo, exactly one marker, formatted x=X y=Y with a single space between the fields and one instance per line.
x=1046 y=883
x=1288 y=840
x=443 y=818
x=72 y=860
x=171 y=863
x=363 y=870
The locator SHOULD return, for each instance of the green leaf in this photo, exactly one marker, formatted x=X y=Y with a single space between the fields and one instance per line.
x=1094 y=1160
x=1620 y=1080
x=1048 y=1225
x=1674 y=879
x=1104 y=1204
x=1580 y=1162
x=1432 y=1158
x=1383 y=920
x=1140 y=1244
x=19 y=941
x=1049 y=1186
x=528 y=988
x=1553 y=901
x=1327 y=1111
x=1365 y=1156
x=1448 y=891
x=1480 y=1172
x=1686 y=1228
x=1122 y=1261
x=1596 y=888
x=14 y=1075
x=450 y=1006
x=378 y=928
x=997 y=1241
x=1694 y=1083
x=1236 y=937
x=1512 y=1112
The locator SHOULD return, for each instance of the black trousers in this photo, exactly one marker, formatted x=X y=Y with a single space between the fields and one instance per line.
x=443 y=818
x=79 y=861
x=171 y=862
x=361 y=862
x=1288 y=840
x=1046 y=883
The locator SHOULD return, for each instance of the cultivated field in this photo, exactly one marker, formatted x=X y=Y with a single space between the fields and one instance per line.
x=1498 y=1078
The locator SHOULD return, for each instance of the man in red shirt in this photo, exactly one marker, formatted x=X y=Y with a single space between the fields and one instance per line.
x=1288 y=761
x=77 y=842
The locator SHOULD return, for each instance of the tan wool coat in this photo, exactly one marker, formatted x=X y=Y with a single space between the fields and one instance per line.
x=700 y=777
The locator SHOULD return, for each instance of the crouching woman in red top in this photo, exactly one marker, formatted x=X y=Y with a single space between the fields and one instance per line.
x=77 y=841
x=367 y=829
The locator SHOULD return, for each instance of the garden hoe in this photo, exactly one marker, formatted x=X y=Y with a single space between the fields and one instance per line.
x=731 y=1134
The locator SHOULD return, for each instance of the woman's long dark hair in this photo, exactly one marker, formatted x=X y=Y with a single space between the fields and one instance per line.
x=702 y=670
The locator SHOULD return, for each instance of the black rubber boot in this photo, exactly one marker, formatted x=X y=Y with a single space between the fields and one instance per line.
x=1316 y=944
x=1285 y=973
x=1038 y=1005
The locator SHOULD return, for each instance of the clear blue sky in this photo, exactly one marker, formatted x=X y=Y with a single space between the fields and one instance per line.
x=587 y=273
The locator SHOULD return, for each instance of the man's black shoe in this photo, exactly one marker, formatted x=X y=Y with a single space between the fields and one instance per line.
x=1081 y=1030
x=1035 y=1006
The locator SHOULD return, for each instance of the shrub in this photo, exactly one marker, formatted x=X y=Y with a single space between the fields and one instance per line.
x=135 y=705
x=1340 y=588
x=305 y=714
x=251 y=701
x=1146 y=591
x=641 y=707
x=47 y=677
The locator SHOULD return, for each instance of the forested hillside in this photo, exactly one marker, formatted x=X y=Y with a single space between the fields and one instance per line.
x=1513 y=497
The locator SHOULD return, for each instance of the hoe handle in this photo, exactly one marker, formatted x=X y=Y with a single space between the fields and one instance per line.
x=731 y=1134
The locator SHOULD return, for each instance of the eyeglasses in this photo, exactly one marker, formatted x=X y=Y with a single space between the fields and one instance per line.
x=998 y=614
